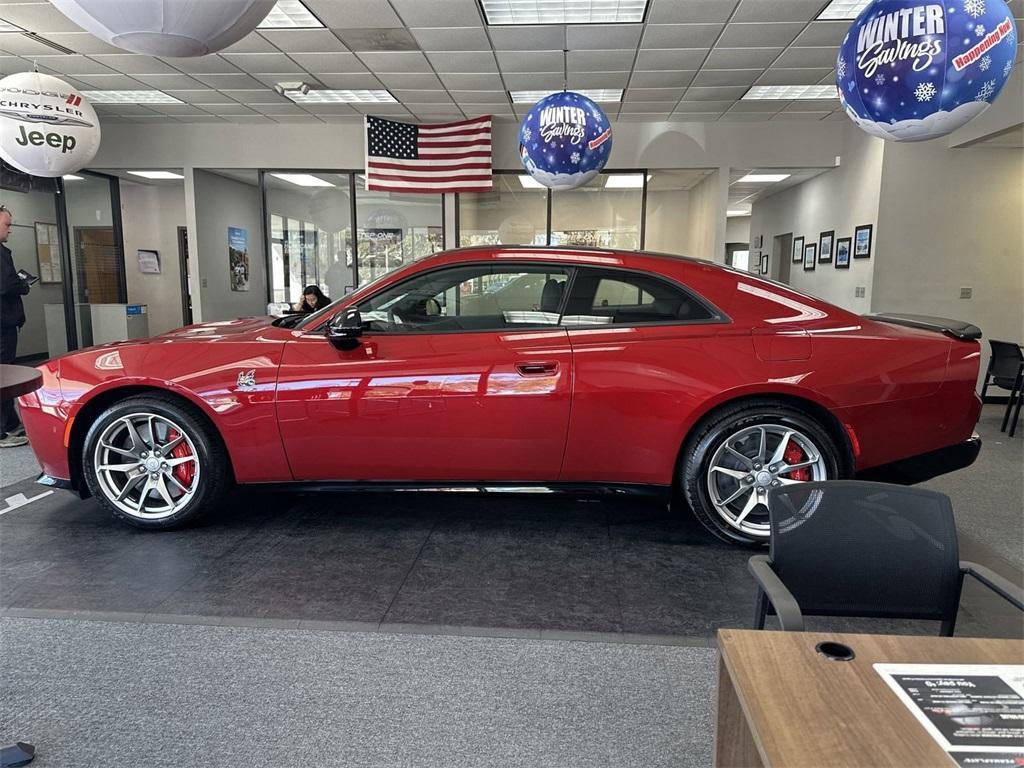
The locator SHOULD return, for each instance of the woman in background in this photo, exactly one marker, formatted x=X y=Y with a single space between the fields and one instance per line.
x=313 y=299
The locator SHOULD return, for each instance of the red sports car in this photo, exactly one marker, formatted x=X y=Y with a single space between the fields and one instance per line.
x=503 y=366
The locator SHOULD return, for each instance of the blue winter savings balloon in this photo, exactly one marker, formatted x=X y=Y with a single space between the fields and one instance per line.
x=911 y=70
x=565 y=140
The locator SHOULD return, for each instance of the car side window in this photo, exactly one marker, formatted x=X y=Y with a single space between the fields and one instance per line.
x=474 y=297
x=616 y=297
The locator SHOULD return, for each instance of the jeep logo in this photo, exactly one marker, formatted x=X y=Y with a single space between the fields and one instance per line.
x=38 y=138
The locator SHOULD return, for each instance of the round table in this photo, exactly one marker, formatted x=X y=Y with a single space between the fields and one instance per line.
x=18 y=380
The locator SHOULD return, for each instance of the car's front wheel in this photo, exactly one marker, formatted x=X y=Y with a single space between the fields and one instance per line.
x=741 y=453
x=154 y=462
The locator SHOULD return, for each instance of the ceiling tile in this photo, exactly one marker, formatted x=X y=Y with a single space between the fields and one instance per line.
x=757 y=106
x=716 y=77
x=229 y=109
x=166 y=82
x=662 y=79
x=671 y=59
x=680 y=35
x=436 y=111
x=452 y=38
x=304 y=40
x=330 y=109
x=654 y=94
x=475 y=97
x=547 y=38
x=111 y=82
x=82 y=42
x=472 y=82
x=135 y=64
x=742 y=58
x=351 y=80
x=812 y=105
x=761 y=35
x=435 y=96
x=255 y=96
x=747 y=117
x=423 y=13
x=270 y=79
x=530 y=61
x=178 y=109
x=714 y=94
x=600 y=37
x=692 y=11
x=801 y=115
x=200 y=119
x=578 y=80
x=129 y=109
x=808 y=57
x=204 y=96
x=395 y=61
x=778 y=10
x=634 y=107
x=20 y=45
x=41 y=18
x=695 y=117
x=70 y=65
x=303 y=118
x=783 y=76
x=823 y=33
x=329 y=62
x=534 y=81
x=206 y=65
x=238 y=82
x=251 y=119
x=601 y=61
x=279 y=109
x=263 y=63
x=409 y=80
x=251 y=43
x=396 y=110
x=463 y=61
x=354 y=13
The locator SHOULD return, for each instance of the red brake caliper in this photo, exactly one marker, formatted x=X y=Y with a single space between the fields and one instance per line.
x=185 y=471
x=794 y=455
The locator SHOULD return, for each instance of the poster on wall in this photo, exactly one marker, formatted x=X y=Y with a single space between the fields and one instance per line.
x=384 y=251
x=238 y=258
x=48 y=252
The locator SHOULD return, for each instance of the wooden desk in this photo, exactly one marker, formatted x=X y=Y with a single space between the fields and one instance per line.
x=780 y=703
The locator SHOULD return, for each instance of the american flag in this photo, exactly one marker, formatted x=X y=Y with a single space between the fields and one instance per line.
x=432 y=159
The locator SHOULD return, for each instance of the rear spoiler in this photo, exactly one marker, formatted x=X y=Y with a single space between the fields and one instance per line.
x=958 y=329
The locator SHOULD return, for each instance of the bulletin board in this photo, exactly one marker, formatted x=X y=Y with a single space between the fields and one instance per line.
x=48 y=251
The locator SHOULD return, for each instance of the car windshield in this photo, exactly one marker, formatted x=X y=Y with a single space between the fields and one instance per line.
x=313 y=320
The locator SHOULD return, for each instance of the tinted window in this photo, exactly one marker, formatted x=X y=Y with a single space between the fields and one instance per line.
x=613 y=297
x=478 y=297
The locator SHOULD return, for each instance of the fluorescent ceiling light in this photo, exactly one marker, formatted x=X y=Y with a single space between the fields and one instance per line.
x=290 y=14
x=497 y=12
x=342 y=97
x=763 y=178
x=790 y=92
x=156 y=174
x=528 y=182
x=597 y=94
x=130 y=97
x=6 y=26
x=71 y=177
x=625 y=181
x=737 y=213
x=303 y=179
x=844 y=9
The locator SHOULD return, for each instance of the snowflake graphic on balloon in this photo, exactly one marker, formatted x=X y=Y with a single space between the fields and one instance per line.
x=841 y=69
x=987 y=91
x=974 y=8
x=986 y=63
x=925 y=92
x=979 y=30
x=574 y=158
x=527 y=134
x=1007 y=68
x=879 y=79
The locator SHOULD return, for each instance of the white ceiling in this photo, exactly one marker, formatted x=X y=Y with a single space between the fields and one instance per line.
x=691 y=60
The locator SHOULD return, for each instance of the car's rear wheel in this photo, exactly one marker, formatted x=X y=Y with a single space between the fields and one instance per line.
x=742 y=452
x=154 y=462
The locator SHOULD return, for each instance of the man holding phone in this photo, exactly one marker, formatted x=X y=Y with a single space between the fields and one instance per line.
x=12 y=317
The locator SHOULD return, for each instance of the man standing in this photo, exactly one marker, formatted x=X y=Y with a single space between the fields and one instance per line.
x=12 y=317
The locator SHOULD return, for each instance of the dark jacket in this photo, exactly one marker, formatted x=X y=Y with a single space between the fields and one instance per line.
x=12 y=288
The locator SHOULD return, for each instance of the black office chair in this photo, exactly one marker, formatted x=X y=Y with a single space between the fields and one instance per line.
x=851 y=548
x=1006 y=370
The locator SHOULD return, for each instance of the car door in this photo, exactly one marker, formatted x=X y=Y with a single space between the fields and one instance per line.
x=646 y=351
x=462 y=374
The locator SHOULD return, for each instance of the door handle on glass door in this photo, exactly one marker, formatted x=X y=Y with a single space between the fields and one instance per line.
x=537 y=369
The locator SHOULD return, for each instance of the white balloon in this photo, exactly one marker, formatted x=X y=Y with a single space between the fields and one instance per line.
x=167 y=27
x=517 y=230
x=46 y=127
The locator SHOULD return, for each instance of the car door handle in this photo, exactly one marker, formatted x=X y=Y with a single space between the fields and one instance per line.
x=537 y=369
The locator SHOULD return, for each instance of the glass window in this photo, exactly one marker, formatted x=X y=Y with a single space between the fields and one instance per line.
x=605 y=213
x=613 y=297
x=479 y=297
x=510 y=214
x=395 y=229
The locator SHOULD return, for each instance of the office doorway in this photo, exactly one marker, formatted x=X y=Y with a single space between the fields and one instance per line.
x=782 y=248
x=98 y=257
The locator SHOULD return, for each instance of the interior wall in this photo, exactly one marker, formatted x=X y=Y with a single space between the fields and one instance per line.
x=150 y=218
x=668 y=222
x=952 y=219
x=841 y=200
x=221 y=203
x=737 y=229
x=705 y=225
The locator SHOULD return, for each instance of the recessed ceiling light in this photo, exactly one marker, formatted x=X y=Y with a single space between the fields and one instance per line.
x=341 y=97
x=71 y=177
x=303 y=179
x=790 y=92
x=130 y=97
x=763 y=178
x=737 y=213
x=156 y=174
x=528 y=182
x=290 y=14
x=498 y=12
x=6 y=26
x=598 y=94
x=625 y=181
x=844 y=9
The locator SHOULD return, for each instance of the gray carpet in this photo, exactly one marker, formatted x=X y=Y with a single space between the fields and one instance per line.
x=151 y=695
x=17 y=464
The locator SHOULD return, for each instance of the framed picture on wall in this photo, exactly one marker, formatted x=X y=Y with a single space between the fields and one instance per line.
x=764 y=263
x=798 y=250
x=759 y=241
x=810 y=256
x=862 y=241
x=843 y=247
x=825 y=243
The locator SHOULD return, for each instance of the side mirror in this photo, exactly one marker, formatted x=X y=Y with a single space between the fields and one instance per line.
x=344 y=331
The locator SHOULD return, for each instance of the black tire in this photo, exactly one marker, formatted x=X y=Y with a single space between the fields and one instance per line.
x=708 y=438
x=213 y=468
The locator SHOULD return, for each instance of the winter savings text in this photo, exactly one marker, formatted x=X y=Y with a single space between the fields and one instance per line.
x=883 y=40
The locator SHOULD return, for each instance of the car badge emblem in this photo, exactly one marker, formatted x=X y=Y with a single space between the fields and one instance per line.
x=247 y=380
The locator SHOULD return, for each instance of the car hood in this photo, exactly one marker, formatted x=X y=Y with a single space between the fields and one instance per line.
x=219 y=329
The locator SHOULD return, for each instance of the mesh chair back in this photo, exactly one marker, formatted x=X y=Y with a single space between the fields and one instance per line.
x=849 y=548
x=1007 y=359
